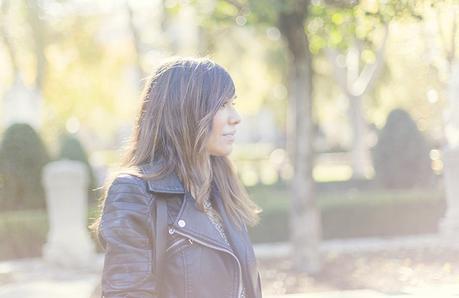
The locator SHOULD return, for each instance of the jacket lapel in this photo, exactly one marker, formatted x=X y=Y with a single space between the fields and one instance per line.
x=196 y=223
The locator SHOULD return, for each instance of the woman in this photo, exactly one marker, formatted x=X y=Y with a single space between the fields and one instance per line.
x=178 y=153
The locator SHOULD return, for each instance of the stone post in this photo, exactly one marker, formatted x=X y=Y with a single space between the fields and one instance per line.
x=68 y=243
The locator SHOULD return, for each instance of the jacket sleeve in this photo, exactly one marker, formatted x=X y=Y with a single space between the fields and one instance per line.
x=126 y=234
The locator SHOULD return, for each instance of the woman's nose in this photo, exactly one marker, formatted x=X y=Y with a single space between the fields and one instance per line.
x=235 y=118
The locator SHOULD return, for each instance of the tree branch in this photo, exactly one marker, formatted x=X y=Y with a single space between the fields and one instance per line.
x=453 y=37
x=239 y=6
x=371 y=71
x=353 y=64
x=442 y=35
x=339 y=71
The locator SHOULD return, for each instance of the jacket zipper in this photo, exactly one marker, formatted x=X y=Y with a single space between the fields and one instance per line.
x=178 y=242
x=172 y=230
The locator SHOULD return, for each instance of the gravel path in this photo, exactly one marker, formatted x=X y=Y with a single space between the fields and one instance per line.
x=369 y=268
x=390 y=272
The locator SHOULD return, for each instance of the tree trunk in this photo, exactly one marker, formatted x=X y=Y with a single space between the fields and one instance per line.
x=38 y=29
x=305 y=227
x=360 y=158
x=137 y=46
x=6 y=39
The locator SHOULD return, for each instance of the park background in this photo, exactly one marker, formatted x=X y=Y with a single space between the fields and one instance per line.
x=348 y=137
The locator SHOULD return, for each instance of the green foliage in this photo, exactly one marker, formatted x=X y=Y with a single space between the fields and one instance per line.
x=72 y=149
x=22 y=157
x=335 y=24
x=401 y=156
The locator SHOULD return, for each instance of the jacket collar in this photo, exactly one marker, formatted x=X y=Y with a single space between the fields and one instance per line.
x=168 y=184
x=197 y=223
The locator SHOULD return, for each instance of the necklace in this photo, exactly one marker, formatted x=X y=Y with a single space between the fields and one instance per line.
x=215 y=219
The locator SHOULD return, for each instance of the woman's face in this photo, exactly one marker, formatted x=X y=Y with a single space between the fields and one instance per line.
x=224 y=123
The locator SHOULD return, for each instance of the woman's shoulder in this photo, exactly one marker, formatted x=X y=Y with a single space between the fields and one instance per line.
x=129 y=188
x=124 y=178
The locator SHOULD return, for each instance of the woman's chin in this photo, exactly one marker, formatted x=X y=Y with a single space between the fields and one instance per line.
x=223 y=151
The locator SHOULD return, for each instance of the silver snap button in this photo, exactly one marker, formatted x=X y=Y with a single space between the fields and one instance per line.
x=181 y=223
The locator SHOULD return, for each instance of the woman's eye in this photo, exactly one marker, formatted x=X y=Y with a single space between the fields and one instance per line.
x=225 y=104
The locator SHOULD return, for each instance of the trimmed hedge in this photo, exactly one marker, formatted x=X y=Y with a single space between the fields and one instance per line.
x=352 y=214
x=23 y=233
x=347 y=214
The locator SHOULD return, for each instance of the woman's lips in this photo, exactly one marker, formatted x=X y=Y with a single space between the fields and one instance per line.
x=230 y=136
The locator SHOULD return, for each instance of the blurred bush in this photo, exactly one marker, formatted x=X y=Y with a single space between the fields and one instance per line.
x=401 y=156
x=352 y=214
x=72 y=149
x=22 y=157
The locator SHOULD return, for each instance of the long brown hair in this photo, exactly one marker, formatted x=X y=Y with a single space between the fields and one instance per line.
x=173 y=124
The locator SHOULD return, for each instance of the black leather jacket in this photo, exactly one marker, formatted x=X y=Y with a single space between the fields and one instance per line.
x=198 y=262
